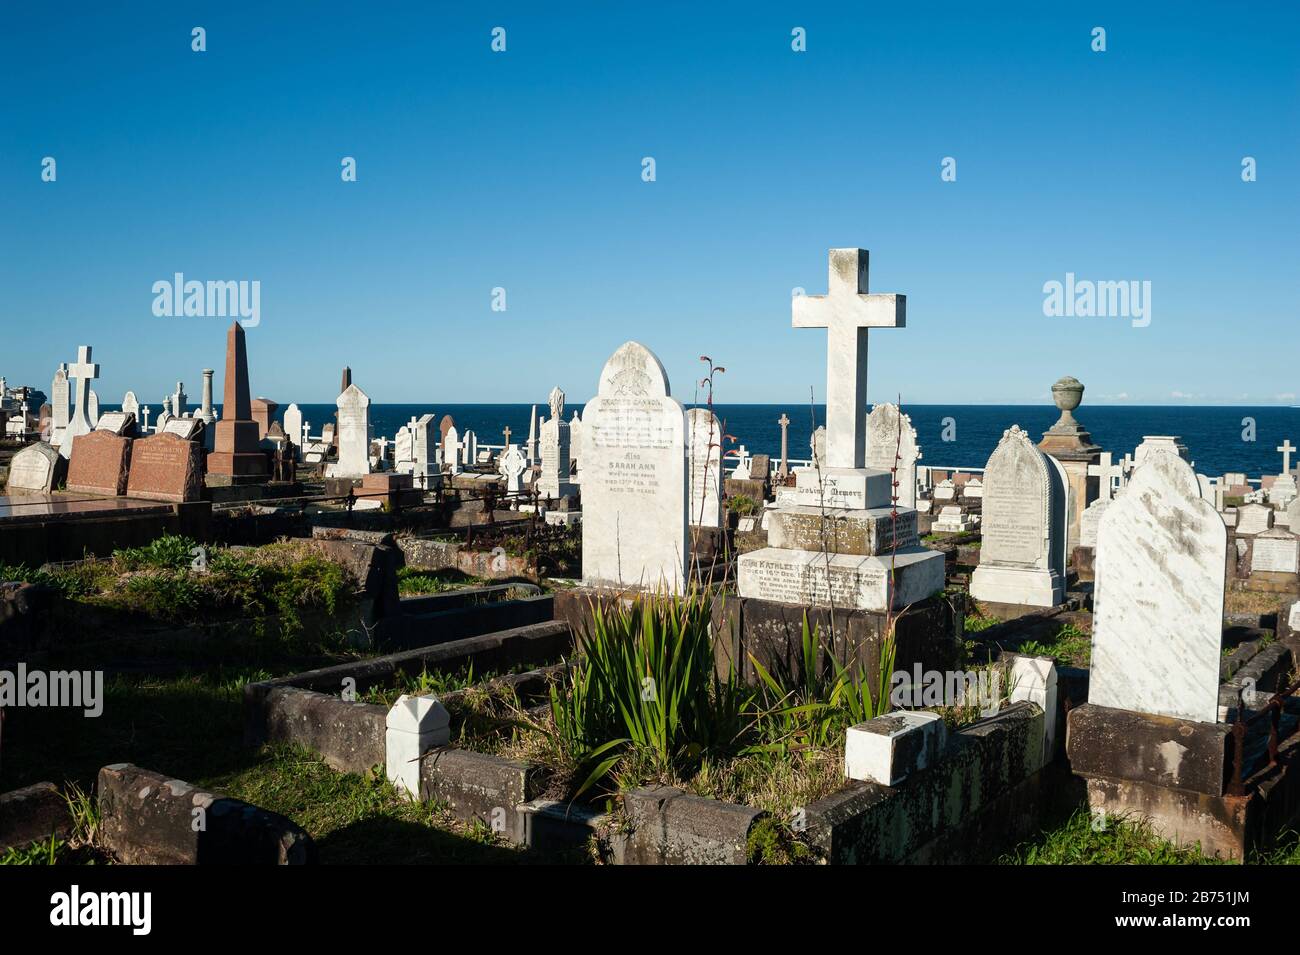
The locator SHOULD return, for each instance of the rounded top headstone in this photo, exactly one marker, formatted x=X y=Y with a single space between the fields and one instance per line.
x=634 y=371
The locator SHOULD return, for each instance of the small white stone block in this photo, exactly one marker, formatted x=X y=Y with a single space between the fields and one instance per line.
x=1294 y=618
x=890 y=748
x=853 y=488
x=415 y=725
x=1034 y=679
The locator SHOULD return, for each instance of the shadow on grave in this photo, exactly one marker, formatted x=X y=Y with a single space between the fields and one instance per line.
x=398 y=842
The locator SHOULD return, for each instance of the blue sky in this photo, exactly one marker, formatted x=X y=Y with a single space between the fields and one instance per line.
x=522 y=170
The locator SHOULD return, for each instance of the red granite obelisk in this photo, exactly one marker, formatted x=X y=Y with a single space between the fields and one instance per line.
x=236 y=458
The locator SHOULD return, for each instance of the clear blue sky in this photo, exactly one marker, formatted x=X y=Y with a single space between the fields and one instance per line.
x=523 y=170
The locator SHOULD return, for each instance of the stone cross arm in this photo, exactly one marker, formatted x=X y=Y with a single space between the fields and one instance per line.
x=1286 y=450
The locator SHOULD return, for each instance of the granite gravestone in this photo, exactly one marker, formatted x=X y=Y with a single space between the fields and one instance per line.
x=1022 y=555
x=704 y=441
x=99 y=464
x=1158 y=618
x=166 y=467
x=634 y=531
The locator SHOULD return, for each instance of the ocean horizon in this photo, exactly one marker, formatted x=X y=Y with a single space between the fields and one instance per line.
x=957 y=436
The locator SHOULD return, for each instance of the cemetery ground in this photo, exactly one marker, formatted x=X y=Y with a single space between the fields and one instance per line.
x=776 y=746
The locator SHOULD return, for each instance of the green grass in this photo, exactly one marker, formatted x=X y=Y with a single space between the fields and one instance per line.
x=160 y=583
x=1121 y=842
x=976 y=623
x=415 y=583
x=1069 y=646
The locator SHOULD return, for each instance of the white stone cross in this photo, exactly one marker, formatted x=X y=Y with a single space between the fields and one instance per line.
x=84 y=370
x=144 y=419
x=1107 y=473
x=847 y=311
x=1286 y=449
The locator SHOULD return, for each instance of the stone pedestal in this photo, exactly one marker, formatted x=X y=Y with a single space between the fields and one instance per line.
x=1070 y=444
x=851 y=555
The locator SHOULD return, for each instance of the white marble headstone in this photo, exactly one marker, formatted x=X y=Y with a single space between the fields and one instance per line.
x=704 y=440
x=1158 y=617
x=634 y=489
x=887 y=448
x=354 y=434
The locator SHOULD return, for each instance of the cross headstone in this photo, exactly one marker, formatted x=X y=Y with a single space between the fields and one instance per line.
x=1106 y=474
x=512 y=465
x=85 y=371
x=847 y=311
x=784 y=422
x=506 y=431
x=1286 y=451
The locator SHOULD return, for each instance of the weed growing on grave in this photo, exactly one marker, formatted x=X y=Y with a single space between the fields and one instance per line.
x=414 y=583
x=1123 y=841
x=1069 y=646
x=743 y=505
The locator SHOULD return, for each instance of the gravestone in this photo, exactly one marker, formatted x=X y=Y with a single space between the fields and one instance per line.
x=951 y=521
x=92 y=406
x=131 y=404
x=1276 y=552
x=1158 y=617
x=84 y=370
x=1159 y=442
x=353 y=435
x=263 y=412
x=704 y=441
x=1091 y=521
x=634 y=531
x=293 y=427
x=451 y=450
x=944 y=490
x=512 y=465
x=445 y=425
x=60 y=399
x=575 y=439
x=891 y=443
x=1293 y=516
x=837 y=541
x=1254 y=519
x=166 y=467
x=99 y=464
x=236 y=457
x=121 y=423
x=187 y=429
x=973 y=490
x=36 y=469
x=556 y=467
x=1022 y=555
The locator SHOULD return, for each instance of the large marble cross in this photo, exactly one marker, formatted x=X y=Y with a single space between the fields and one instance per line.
x=784 y=422
x=847 y=311
x=1286 y=450
x=85 y=371
x=1107 y=473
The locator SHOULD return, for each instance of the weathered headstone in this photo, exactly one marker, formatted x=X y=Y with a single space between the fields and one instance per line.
x=263 y=412
x=60 y=399
x=99 y=464
x=187 y=429
x=451 y=450
x=704 y=441
x=131 y=404
x=1091 y=521
x=891 y=444
x=36 y=469
x=556 y=467
x=1022 y=555
x=634 y=531
x=1158 y=617
x=353 y=433
x=1254 y=519
x=166 y=467
x=1276 y=552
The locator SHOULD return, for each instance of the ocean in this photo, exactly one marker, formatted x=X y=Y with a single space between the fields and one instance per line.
x=1216 y=437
